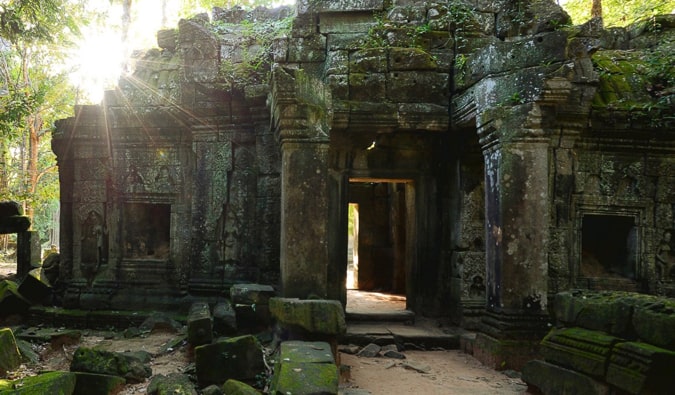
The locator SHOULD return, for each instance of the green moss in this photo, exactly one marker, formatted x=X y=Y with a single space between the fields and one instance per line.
x=53 y=383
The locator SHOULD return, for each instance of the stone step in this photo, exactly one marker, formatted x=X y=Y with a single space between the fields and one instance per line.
x=380 y=316
x=422 y=336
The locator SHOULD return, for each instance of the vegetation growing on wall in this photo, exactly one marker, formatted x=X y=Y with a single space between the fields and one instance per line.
x=641 y=82
x=249 y=62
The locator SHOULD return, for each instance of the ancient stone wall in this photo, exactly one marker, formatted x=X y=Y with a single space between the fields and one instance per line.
x=505 y=132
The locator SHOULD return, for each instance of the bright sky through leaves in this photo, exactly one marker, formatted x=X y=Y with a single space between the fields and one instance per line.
x=100 y=56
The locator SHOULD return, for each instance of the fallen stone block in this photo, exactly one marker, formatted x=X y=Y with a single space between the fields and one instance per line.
x=552 y=379
x=33 y=288
x=10 y=357
x=654 y=323
x=62 y=383
x=305 y=368
x=199 y=324
x=305 y=379
x=236 y=387
x=11 y=301
x=111 y=363
x=224 y=319
x=55 y=337
x=580 y=349
x=369 y=351
x=251 y=294
x=103 y=383
x=640 y=368
x=251 y=304
x=305 y=352
x=171 y=384
x=237 y=358
x=314 y=316
x=160 y=322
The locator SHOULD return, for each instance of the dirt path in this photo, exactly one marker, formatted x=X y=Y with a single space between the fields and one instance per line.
x=439 y=372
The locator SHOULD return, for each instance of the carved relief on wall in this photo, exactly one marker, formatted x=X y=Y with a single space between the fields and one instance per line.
x=134 y=182
x=665 y=260
x=93 y=247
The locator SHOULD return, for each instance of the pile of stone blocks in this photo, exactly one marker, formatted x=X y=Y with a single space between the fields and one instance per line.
x=607 y=342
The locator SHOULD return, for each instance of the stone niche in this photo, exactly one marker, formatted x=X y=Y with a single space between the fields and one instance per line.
x=609 y=251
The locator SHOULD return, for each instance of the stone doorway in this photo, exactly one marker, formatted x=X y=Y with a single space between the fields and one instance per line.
x=379 y=243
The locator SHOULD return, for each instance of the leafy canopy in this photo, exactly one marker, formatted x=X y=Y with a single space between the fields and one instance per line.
x=619 y=12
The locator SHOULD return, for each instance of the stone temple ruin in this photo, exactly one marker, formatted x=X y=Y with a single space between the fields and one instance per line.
x=498 y=156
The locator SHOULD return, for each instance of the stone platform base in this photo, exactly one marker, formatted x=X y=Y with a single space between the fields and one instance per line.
x=503 y=354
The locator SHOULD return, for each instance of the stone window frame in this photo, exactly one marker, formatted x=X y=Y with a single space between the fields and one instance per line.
x=637 y=212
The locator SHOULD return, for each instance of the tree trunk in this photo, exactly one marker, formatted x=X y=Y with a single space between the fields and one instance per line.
x=34 y=126
x=596 y=9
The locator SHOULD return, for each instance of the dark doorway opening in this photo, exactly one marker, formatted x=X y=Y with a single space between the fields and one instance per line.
x=609 y=246
x=146 y=232
x=378 y=246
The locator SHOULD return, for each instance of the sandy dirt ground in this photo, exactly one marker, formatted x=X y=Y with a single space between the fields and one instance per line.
x=428 y=372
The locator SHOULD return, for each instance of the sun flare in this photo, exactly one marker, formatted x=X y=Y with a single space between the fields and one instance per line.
x=101 y=56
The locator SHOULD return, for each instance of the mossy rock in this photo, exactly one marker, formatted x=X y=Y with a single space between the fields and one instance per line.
x=236 y=358
x=654 y=323
x=111 y=363
x=11 y=301
x=10 y=357
x=104 y=384
x=314 y=316
x=236 y=387
x=52 y=383
x=171 y=384
x=305 y=379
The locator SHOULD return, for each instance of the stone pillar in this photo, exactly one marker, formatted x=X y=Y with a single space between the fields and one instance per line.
x=27 y=252
x=304 y=218
x=517 y=207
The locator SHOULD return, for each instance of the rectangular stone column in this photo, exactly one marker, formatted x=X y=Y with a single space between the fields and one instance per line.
x=517 y=226
x=517 y=206
x=27 y=252
x=304 y=218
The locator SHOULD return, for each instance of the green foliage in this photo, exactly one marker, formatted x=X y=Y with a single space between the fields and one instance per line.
x=33 y=93
x=189 y=6
x=253 y=50
x=619 y=12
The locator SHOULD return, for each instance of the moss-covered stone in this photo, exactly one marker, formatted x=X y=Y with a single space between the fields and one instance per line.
x=580 y=349
x=315 y=316
x=171 y=384
x=305 y=379
x=236 y=358
x=104 y=384
x=640 y=368
x=556 y=380
x=110 y=363
x=236 y=387
x=10 y=357
x=306 y=352
x=11 y=301
x=654 y=323
x=52 y=383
